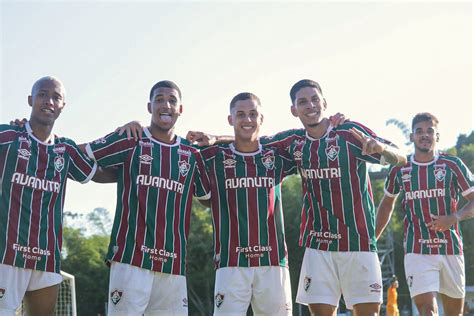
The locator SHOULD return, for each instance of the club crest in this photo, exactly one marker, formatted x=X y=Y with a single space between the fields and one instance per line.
x=116 y=296
x=59 y=163
x=307 y=283
x=219 y=299
x=184 y=167
x=268 y=161
x=410 y=280
x=440 y=173
x=332 y=152
x=2 y=293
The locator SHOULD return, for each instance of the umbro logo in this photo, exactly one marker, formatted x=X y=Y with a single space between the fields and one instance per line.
x=229 y=163
x=375 y=287
x=297 y=155
x=406 y=177
x=146 y=159
x=24 y=153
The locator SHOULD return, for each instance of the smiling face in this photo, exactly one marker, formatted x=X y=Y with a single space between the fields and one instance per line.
x=47 y=101
x=309 y=106
x=246 y=118
x=165 y=108
x=424 y=136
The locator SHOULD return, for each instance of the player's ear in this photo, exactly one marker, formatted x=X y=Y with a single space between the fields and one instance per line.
x=325 y=104
x=30 y=100
x=261 y=119
x=293 y=110
x=437 y=137
x=180 y=109
x=229 y=119
x=149 y=107
x=411 y=137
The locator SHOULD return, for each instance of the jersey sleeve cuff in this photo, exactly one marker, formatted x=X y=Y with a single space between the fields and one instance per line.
x=468 y=191
x=89 y=152
x=91 y=175
x=204 y=197
x=389 y=194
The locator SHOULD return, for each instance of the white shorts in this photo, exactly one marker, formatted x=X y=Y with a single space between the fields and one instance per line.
x=137 y=291
x=435 y=273
x=268 y=289
x=14 y=282
x=326 y=275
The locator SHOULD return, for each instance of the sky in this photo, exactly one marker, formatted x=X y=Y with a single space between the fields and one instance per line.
x=374 y=60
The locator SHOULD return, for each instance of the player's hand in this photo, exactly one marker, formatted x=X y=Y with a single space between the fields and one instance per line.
x=201 y=138
x=133 y=129
x=441 y=223
x=18 y=122
x=369 y=144
x=337 y=119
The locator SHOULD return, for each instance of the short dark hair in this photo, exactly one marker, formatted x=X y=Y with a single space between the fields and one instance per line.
x=244 y=96
x=424 y=117
x=165 y=84
x=303 y=84
x=40 y=81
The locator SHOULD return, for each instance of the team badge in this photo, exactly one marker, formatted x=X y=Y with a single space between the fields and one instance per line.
x=307 y=283
x=297 y=155
x=410 y=280
x=268 y=161
x=229 y=163
x=59 y=163
x=24 y=153
x=185 y=302
x=375 y=287
x=2 y=293
x=440 y=173
x=332 y=152
x=184 y=167
x=219 y=299
x=116 y=296
x=146 y=159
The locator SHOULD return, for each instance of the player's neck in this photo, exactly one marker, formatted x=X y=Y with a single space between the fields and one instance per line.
x=319 y=130
x=424 y=156
x=168 y=136
x=43 y=132
x=246 y=146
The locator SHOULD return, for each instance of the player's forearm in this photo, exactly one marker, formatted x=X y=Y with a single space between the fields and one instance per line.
x=384 y=213
x=105 y=175
x=466 y=212
x=224 y=139
x=394 y=156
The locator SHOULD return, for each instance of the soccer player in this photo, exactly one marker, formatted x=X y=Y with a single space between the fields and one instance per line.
x=250 y=252
x=338 y=217
x=430 y=185
x=34 y=166
x=157 y=177
x=392 y=295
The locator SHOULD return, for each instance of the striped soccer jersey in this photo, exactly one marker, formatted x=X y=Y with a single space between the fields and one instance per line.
x=430 y=188
x=156 y=183
x=246 y=205
x=33 y=183
x=338 y=208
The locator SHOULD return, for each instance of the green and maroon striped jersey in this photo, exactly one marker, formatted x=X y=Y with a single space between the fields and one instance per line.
x=430 y=188
x=338 y=209
x=246 y=205
x=33 y=183
x=156 y=183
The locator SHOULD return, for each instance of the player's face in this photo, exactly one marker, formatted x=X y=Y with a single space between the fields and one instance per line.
x=309 y=106
x=246 y=118
x=165 y=108
x=47 y=102
x=424 y=136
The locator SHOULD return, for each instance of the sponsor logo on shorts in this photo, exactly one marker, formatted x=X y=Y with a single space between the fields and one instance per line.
x=116 y=296
x=185 y=302
x=2 y=293
x=219 y=299
x=307 y=283
x=375 y=287
x=410 y=280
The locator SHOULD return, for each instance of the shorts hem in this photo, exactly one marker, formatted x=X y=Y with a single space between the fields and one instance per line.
x=306 y=300
x=362 y=300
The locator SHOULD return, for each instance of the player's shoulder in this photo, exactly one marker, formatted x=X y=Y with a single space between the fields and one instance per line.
x=447 y=157
x=11 y=128
x=347 y=125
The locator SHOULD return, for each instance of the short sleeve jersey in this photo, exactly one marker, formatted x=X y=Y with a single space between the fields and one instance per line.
x=247 y=206
x=431 y=188
x=338 y=208
x=156 y=183
x=33 y=183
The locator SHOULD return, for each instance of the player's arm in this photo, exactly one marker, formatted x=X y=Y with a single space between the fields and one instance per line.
x=384 y=212
x=442 y=223
x=133 y=129
x=105 y=175
x=202 y=139
x=371 y=146
x=206 y=203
